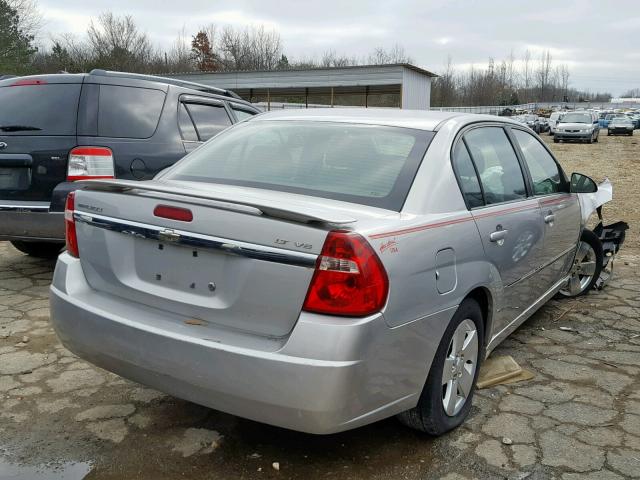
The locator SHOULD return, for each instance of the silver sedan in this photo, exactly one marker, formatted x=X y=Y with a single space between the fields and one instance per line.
x=320 y=270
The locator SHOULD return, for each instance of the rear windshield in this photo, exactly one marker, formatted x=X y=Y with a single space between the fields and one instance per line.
x=39 y=109
x=367 y=164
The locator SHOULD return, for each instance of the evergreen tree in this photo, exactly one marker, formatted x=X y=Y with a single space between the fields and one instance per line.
x=16 y=48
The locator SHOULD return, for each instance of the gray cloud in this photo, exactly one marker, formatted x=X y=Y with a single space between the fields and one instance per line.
x=598 y=40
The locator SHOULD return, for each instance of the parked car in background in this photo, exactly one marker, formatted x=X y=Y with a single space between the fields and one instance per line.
x=543 y=124
x=554 y=118
x=608 y=117
x=57 y=129
x=635 y=119
x=577 y=126
x=308 y=270
x=620 y=125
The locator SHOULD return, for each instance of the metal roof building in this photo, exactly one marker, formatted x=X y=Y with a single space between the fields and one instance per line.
x=395 y=85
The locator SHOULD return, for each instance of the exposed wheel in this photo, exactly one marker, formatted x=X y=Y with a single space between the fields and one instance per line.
x=586 y=266
x=608 y=133
x=38 y=249
x=555 y=139
x=448 y=392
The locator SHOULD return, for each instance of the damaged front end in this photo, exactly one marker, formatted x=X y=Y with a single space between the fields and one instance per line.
x=611 y=236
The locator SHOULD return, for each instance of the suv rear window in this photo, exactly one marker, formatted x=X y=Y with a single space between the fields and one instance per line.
x=49 y=109
x=367 y=164
x=128 y=112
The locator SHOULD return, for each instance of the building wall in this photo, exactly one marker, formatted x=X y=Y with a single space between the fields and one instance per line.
x=373 y=86
x=416 y=90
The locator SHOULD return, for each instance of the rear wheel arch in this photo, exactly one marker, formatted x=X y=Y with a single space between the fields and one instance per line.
x=483 y=297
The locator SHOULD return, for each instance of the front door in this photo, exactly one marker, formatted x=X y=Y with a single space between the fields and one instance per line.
x=559 y=209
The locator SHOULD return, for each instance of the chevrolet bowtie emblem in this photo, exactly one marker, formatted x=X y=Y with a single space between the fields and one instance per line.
x=168 y=235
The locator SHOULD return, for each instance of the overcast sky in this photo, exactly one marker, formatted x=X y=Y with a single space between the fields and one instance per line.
x=599 y=40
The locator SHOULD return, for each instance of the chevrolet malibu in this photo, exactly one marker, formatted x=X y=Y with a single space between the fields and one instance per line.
x=320 y=270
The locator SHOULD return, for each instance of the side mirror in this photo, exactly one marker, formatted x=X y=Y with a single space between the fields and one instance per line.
x=582 y=184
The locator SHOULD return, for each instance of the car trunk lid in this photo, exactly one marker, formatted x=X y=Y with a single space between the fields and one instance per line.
x=240 y=263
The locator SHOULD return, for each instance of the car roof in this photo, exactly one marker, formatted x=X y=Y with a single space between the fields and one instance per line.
x=132 y=79
x=417 y=119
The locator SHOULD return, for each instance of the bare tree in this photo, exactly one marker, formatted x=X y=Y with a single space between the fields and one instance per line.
x=543 y=73
x=31 y=20
x=526 y=72
x=253 y=48
x=118 y=44
x=382 y=56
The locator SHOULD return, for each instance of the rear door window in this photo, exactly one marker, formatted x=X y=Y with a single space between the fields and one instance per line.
x=187 y=130
x=209 y=119
x=467 y=177
x=497 y=164
x=241 y=114
x=128 y=112
x=49 y=109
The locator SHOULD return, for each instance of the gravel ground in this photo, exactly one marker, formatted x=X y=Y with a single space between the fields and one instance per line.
x=579 y=418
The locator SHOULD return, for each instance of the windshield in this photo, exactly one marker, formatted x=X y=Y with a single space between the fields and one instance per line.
x=621 y=120
x=576 y=118
x=368 y=164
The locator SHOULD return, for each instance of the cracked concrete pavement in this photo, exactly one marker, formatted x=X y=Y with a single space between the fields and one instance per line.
x=579 y=418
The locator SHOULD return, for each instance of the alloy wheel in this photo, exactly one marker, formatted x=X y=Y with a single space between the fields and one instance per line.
x=460 y=366
x=584 y=267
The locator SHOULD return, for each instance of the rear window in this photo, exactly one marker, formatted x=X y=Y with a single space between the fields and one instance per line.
x=128 y=112
x=371 y=165
x=39 y=109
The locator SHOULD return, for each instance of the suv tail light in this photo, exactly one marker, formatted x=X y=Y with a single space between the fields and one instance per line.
x=70 y=225
x=87 y=163
x=349 y=279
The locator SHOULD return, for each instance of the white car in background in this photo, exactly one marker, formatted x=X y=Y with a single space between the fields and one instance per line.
x=554 y=118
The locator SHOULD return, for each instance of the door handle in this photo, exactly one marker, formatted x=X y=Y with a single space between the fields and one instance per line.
x=498 y=236
x=549 y=218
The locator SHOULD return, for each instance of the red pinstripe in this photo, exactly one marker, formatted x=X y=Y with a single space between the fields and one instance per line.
x=444 y=223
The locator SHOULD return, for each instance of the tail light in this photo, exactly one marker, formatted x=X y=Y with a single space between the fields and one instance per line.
x=70 y=225
x=87 y=163
x=349 y=278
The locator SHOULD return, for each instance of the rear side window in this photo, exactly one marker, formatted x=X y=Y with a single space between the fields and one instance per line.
x=367 y=164
x=497 y=164
x=209 y=119
x=128 y=112
x=467 y=176
x=49 y=109
x=545 y=172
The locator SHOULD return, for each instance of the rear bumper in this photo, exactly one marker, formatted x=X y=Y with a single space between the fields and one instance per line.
x=30 y=221
x=36 y=221
x=327 y=376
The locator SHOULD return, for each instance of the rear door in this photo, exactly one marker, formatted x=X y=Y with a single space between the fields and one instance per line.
x=37 y=131
x=509 y=220
x=559 y=209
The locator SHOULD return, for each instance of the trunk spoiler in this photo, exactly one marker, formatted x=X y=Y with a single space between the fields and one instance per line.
x=296 y=213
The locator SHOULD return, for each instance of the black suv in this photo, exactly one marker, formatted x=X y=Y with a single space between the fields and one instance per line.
x=56 y=129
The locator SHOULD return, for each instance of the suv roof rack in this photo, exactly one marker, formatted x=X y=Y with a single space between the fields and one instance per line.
x=170 y=81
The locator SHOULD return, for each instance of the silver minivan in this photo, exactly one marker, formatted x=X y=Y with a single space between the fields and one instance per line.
x=320 y=270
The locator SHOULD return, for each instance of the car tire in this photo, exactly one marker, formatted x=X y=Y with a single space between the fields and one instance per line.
x=39 y=249
x=430 y=416
x=589 y=253
x=555 y=140
x=590 y=139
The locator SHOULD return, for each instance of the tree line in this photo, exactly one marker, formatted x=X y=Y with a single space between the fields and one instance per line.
x=511 y=81
x=115 y=42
